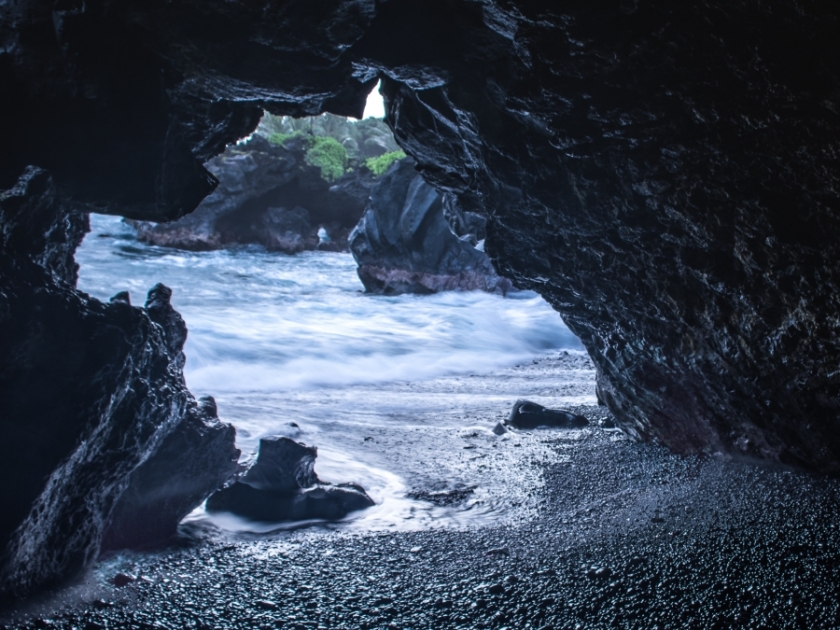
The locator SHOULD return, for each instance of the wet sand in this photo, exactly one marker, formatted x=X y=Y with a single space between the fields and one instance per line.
x=573 y=529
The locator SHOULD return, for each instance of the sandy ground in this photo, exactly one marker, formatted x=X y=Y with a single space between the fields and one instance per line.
x=571 y=529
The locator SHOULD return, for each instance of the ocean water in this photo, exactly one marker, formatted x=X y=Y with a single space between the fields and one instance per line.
x=293 y=339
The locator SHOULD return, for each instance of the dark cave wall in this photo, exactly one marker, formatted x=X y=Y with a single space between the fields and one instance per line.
x=148 y=91
x=89 y=391
x=665 y=174
x=667 y=177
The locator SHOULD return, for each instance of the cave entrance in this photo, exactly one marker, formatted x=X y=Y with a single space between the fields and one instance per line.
x=399 y=392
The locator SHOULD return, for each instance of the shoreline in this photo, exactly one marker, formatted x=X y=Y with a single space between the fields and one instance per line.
x=615 y=534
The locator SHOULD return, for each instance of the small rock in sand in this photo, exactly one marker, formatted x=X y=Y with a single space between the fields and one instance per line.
x=529 y=415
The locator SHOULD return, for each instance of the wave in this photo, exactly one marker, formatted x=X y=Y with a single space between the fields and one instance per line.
x=268 y=322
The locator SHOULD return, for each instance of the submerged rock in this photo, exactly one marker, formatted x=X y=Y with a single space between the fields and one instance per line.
x=268 y=195
x=404 y=243
x=529 y=415
x=281 y=485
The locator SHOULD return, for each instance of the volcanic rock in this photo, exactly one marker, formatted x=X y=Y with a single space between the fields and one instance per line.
x=281 y=485
x=443 y=498
x=282 y=465
x=529 y=415
x=193 y=461
x=267 y=195
x=404 y=243
x=88 y=390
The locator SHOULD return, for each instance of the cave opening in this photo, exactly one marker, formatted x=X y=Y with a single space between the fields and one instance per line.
x=664 y=175
x=389 y=384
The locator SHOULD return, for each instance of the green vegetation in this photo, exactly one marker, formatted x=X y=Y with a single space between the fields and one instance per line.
x=378 y=165
x=327 y=154
x=363 y=142
x=280 y=138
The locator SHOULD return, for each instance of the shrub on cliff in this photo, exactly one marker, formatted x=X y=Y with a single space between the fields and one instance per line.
x=362 y=139
x=280 y=138
x=327 y=154
x=378 y=165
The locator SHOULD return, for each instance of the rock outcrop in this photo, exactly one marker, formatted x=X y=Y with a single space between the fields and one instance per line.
x=667 y=178
x=89 y=391
x=281 y=485
x=268 y=195
x=405 y=244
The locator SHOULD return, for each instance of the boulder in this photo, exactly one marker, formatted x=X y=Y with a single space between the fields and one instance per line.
x=529 y=415
x=267 y=195
x=281 y=485
x=404 y=243
x=282 y=465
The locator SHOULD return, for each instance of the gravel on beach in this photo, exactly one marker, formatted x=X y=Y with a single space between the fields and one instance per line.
x=618 y=534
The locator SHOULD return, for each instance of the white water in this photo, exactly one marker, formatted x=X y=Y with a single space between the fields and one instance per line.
x=279 y=339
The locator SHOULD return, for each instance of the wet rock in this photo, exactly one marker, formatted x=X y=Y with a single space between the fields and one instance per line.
x=122 y=297
x=282 y=465
x=88 y=391
x=193 y=461
x=122 y=579
x=500 y=429
x=664 y=175
x=268 y=195
x=281 y=485
x=329 y=502
x=529 y=415
x=159 y=308
x=404 y=244
x=38 y=227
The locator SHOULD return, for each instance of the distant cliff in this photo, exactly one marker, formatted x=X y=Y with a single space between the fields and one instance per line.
x=276 y=194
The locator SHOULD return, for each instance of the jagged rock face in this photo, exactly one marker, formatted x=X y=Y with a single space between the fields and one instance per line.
x=267 y=195
x=667 y=177
x=88 y=391
x=194 y=460
x=149 y=92
x=665 y=174
x=403 y=243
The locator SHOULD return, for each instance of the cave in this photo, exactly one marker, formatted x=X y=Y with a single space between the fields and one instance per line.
x=665 y=175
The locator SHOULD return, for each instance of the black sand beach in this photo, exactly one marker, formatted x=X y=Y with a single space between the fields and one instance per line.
x=604 y=533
